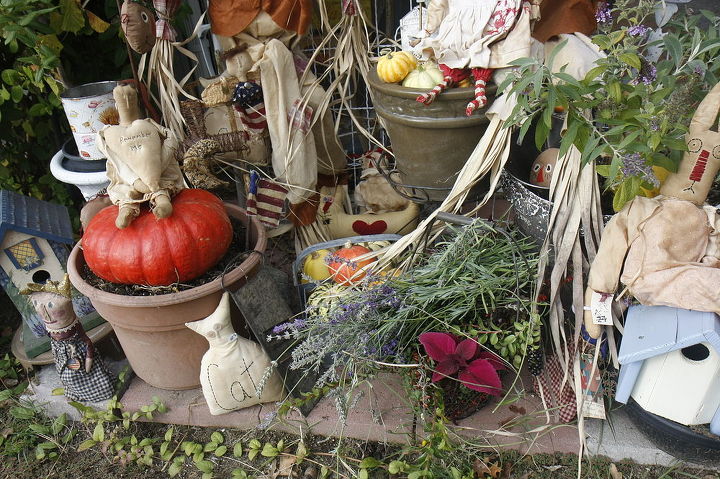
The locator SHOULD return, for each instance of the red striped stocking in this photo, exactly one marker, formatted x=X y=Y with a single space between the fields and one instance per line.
x=452 y=76
x=482 y=76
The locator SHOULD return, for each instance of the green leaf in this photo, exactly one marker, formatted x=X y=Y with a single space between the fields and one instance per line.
x=631 y=59
x=674 y=48
x=39 y=429
x=220 y=451
x=174 y=469
x=238 y=450
x=16 y=93
x=397 y=466
x=217 y=437
x=86 y=445
x=207 y=475
x=369 y=463
x=10 y=77
x=19 y=412
x=209 y=447
x=5 y=394
x=363 y=474
x=418 y=474
x=169 y=433
x=59 y=423
x=254 y=444
x=269 y=450
x=99 y=433
x=205 y=466
x=72 y=18
x=239 y=474
x=252 y=453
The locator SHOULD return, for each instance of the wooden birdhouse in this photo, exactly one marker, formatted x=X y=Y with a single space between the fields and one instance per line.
x=35 y=241
x=670 y=361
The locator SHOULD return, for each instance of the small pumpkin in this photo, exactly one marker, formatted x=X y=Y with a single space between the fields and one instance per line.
x=315 y=266
x=425 y=77
x=323 y=298
x=159 y=252
x=395 y=66
x=345 y=266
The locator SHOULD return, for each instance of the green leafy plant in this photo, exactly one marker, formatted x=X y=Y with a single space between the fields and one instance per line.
x=628 y=113
x=45 y=45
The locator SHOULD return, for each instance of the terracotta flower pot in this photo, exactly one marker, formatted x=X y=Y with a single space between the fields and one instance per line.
x=151 y=329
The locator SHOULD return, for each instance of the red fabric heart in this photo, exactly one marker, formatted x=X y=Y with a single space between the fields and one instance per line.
x=374 y=228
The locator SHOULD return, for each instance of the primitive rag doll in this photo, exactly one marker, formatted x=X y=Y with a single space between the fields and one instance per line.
x=81 y=370
x=269 y=31
x=234 y=369
x=666 y=249
x=463 y=36
x=141 y=162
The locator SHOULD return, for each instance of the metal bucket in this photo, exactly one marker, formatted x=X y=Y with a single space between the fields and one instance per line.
x=432 y=142
x=88 y=108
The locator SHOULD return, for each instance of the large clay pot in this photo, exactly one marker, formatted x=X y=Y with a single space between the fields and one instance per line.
x=151 y=329
x=432 y=142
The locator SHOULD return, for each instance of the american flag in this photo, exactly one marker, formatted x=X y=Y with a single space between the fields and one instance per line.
x=265 y=199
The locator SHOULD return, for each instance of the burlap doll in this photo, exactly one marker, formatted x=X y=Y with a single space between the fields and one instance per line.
x=138 y=25
x=141 y=162
x=81 y=370
x=666 y=249
x=465 y=40
x=299 y=149
x=234 y=369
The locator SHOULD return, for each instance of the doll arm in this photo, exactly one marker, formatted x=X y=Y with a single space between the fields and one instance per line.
x=90 y=349
x=607 y=266
x=436 y=11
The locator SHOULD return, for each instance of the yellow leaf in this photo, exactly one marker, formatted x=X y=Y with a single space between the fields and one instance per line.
x=52 y=42
x=97 y=23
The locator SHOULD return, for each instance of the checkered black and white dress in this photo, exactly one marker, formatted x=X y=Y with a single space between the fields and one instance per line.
x=70 y=354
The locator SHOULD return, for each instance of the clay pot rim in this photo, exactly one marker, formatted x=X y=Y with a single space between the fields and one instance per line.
x=245 y=269
x=399 y=91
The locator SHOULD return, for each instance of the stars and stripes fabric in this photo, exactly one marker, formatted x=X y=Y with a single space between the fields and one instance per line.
x=265 y=199
x=248 y=101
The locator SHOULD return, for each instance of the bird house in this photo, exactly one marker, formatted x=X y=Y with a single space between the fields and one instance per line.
x=670 y=361
x=35 y=241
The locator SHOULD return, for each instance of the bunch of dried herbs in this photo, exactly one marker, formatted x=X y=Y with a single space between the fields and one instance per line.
x=477 y=283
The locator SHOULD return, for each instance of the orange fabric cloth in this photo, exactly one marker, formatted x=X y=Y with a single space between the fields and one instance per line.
x=230 y=17
x=565 y=16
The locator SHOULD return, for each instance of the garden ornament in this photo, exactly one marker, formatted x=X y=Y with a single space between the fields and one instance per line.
x=141 y=162
x=461 y=48
x=541 y=171
x=138 y=25
x=339 y=224
x=81 y=370
x=666 y=249
x=235 y=372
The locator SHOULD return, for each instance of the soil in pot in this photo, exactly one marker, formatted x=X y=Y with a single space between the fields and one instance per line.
x=235 y=255
x=460 y=401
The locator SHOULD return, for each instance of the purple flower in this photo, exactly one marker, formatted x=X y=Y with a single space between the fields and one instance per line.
x=603 y=15
x=646 y=75
x=638 y=31
x=635 y=165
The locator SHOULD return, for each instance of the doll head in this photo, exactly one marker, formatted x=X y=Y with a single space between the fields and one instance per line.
x=701 y=162
x=542 y=168
x=53 y=302
x=126 y=103
x=238 y=62
x=217 y=328
x=138 y=25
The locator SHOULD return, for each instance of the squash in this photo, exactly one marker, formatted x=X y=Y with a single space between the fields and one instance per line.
x=395 y=66
x=344 y=266
x=315 y=267
x=323 y=298
x=425 y=77
x=159 y=252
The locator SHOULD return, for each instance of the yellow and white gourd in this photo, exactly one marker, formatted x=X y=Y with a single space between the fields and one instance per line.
x=424 y=77
x=395 y=66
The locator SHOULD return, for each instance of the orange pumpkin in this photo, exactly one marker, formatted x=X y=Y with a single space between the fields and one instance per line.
x=346 y=269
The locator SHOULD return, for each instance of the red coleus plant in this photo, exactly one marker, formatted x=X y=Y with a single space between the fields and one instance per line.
x=475 y=371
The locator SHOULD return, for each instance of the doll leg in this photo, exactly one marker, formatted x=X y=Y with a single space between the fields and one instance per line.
x=161 y=206
x=482 y=76
x=126 y=213
x=429 y=97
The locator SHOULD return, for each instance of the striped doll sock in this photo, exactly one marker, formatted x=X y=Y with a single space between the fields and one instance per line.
x=482 y=76
x=429 y=97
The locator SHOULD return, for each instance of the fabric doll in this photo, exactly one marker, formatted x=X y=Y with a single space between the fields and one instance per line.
x=81 y=370
x=141 y=162
x=666 y=249
x=300 y=149
x=234 y=368
x=463 y=32
x=541 y=171
x=138 y=25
